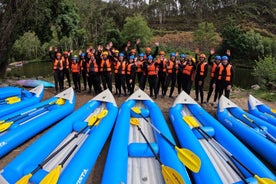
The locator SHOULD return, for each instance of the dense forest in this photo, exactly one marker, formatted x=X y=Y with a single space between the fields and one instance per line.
x=29 y=28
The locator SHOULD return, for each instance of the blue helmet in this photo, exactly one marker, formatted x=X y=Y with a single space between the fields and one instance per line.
x=172 y=54
x=121 y=54
x=141 y=55
x=218 y=58
x=224 y=58
x=131 y=57
x=182 y=55
x=150 y=57
x=82 y=54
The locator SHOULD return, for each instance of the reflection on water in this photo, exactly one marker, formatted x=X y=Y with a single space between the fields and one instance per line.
x=243 y=77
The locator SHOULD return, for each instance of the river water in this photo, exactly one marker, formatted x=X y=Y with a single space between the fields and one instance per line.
x=243 y=77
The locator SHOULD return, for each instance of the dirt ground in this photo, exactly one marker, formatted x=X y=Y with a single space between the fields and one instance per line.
x=239 y=97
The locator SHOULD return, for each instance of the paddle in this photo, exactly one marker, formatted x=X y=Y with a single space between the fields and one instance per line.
x=186 y=156
x=192 y=123
x=267 y=134
x=10 y=100
x=273 y=111
x=92 y=121
x=170 y=175
x=5 y=124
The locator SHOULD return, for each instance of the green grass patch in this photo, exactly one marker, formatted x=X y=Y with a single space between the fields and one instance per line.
x=266 y=95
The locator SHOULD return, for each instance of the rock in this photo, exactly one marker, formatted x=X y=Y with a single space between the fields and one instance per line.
x=39 y=77
x=255 y=87
x=8 y=69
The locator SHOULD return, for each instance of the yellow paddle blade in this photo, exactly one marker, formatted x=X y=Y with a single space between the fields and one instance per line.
x=25 y=179
x=12 y=100
x=273 y=111
x=102 y=114
x=189 y=159
x=264 y=180
x=134 y=121
x=92 y=120
x=190 y=120
x=5 y=126
x=60 y=101
x=136 y=110
x=171 y=176
x=52 y=177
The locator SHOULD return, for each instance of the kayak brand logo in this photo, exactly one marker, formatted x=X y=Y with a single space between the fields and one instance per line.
x=3 y=143
x=83 y=174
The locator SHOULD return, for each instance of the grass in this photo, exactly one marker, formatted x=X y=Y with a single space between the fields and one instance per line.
x=264 y=94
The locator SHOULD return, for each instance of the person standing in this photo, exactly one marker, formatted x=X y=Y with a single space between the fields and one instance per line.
x=106 y=71
x=139 y=71
x=66 y=69
x=161 y=61
x=83 y=64
x=75 y=70
x=214 y=65
x=58 y=72
x=152 y=76
x=179 y=74
x=201 y=73
x=131 y=74
x=224 y=77
x=170 y=74
x=93 y=75
x=120 y=71
x=188 y=71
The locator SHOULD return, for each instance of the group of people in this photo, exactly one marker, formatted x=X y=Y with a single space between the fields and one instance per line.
x=97 y=67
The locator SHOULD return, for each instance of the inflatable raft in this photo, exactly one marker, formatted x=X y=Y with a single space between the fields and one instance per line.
x=13 y=99
x=130 y=158
x=262 y=111
x=254 y=132
x=19 y=126
x=33 y=83
x=215 y=148
x=82 y=135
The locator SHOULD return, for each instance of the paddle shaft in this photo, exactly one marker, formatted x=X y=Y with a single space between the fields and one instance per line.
x=268 y=135
x=158 y=131
x=155 y=155
x=207 y=137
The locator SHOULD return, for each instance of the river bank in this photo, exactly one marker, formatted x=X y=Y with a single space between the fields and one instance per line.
x=238 y=96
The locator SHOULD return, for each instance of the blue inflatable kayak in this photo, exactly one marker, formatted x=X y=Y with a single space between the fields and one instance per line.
x=130 y=159
x=86 y=130
x=214 y=166
x=254 y=132
x=260 y=110
x=19 y=126
x=33 y=83
x=13 y=99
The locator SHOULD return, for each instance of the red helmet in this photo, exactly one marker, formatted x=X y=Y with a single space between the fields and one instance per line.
x=148 y=49
x=161 y=53
x=65 y=53
x=202 y=56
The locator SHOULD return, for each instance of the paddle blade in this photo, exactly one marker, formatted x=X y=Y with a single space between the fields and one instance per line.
x=25 y=179
x=273 y=111
x=134 y=121
x=102 y=114
x=190 y=120
x=5 y=126
x=13 y=100
x=264 y=180
x=189 y=159
x=171 y=176
x=136 y=110
x=52 y=177
x=60 y=101
x=92 y=120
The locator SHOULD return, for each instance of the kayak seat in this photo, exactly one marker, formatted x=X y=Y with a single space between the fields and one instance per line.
x=209 y=130
x=144 y=112
x=142 y=149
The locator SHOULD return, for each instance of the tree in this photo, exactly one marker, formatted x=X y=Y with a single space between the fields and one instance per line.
x=26 y=47
x=136 y=27
x=205 y=36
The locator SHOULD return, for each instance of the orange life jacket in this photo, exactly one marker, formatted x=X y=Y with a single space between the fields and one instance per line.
x=92 y=66
x=187 y=70
x=169 y=66
x=228 y=72
x=66 y=62
x=152 y=69
x=58 y=64
x=120 y=67
x=105 y=65
x=202 y=67
x=75 y=68
x=213 y=69
x=139 y=64
x=164 y=63
x=129 y=66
